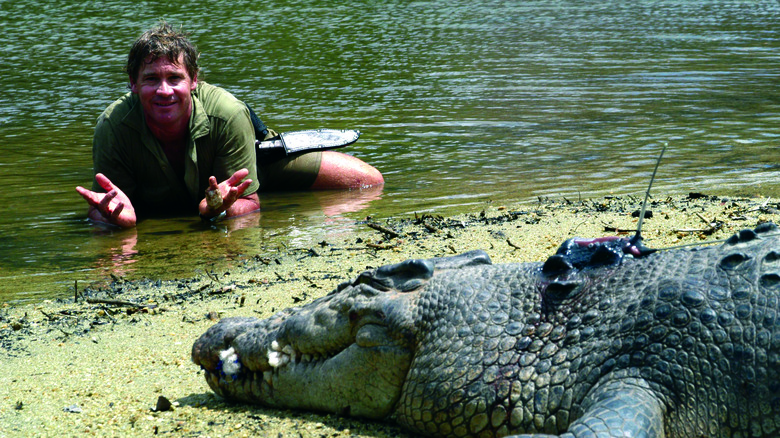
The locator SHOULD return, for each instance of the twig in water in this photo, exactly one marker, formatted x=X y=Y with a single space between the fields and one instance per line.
x=224 y=289
x=430 y=228
x=704 y=219
x=614 y=229
x=762 y=206
x=387 y=231
x=712 y=226
x=312 y=282
x=578 y=225
x=379 y=246
x=114 y=302
x=213 y=277
x=49 y=317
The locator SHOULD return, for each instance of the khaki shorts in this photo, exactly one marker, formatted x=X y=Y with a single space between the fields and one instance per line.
x=297 y=172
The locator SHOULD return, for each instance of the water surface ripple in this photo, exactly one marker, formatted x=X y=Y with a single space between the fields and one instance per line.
x=459 y=102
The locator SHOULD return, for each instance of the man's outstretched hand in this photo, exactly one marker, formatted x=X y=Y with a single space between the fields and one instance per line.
x=112 y=207
x=230 y=191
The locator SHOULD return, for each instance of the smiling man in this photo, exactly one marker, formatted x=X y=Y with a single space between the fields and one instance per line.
x=173 y=142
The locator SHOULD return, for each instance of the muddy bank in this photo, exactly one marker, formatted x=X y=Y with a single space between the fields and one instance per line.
x=106 y=362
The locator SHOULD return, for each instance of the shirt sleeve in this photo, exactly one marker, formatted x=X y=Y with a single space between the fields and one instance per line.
x=109 y=159
x=238 y=150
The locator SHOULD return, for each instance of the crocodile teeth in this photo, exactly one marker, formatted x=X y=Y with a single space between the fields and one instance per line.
x=226 y=353
x=230 y=364
x=277 y=359
x=279 y=355
x=289 y=351
x=273 y=358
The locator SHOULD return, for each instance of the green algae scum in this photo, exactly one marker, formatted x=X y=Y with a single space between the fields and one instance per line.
x=124 y=344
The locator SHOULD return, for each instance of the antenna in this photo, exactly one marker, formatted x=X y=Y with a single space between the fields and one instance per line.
x=638 y=236
x=636 y=247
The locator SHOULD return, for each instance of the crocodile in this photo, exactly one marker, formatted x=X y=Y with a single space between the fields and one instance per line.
x=600 y=340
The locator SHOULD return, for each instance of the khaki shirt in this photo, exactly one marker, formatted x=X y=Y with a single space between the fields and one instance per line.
x=222 y=141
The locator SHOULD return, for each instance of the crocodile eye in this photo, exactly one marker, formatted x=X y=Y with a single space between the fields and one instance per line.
x=605 y=256
x=556 y=265
x=559 y=290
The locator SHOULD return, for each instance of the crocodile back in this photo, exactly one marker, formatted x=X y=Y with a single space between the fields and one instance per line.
x=507 y=349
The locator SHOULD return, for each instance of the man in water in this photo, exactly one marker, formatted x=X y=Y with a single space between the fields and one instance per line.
x=163 y=147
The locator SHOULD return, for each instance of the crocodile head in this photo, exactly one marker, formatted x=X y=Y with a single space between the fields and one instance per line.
x=320 y=357
x=345 y=353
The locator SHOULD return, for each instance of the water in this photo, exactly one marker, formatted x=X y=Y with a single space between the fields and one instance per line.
x=459 y=102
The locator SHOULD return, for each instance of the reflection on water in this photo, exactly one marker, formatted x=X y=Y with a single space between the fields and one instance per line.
x=121 y=253
x=459 y=103
x=176 y=247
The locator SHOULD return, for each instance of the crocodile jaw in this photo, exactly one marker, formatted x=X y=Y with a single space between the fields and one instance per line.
x=357 y=381
x=343 y=355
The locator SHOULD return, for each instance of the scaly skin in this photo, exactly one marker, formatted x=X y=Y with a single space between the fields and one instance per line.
x=682 y=343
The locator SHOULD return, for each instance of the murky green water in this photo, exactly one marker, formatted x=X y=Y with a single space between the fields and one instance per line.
x=459 y=102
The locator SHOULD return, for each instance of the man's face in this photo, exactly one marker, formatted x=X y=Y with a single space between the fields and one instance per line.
x=164 y=89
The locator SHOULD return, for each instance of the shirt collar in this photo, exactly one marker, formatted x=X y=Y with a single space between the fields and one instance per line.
x=199 y=121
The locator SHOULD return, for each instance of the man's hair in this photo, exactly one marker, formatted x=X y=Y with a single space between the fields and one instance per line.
x=162 y=41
